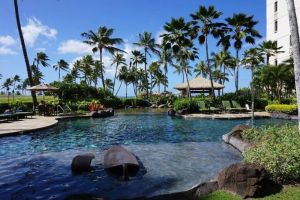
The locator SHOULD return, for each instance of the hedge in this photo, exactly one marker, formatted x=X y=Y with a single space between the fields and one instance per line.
x=190 y=105
x=283 y=108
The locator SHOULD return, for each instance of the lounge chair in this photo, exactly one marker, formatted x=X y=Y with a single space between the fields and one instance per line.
x=236 y=105
x=202 y=107
x=228 y=107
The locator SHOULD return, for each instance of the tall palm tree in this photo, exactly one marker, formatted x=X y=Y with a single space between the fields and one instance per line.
x=124 y=77
x=7 y=84
x=296 y=48
x=37 y=75
x=86 y=68
x=137 y=58
x=252 y=59
x=154 y=70
x=147 y=42
x=109 y=84
x=41 y=58
x=201 y=69
x=61 y=65
x=165 y=58
x=118 y=59
x=102 y=41
x=269 y=49
x=240 y=29
x=204 y=19
x=178 y=39
x=28 y=68
x=15 y=80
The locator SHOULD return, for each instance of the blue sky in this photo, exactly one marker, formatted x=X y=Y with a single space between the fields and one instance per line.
x=54 y=26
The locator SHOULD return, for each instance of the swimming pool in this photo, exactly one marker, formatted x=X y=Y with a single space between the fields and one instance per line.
x=176 y=154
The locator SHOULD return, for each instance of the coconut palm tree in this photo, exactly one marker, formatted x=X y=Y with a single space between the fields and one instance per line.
x=147 y=42
x=109 y=84
x=201 y=69
x=296 y=48
x=61 y=65
x=86 y=68
x=7 y=84
x=118 y=59
x=41 y=58
x=204 y=19
x=28 y=68
x=137 y=58
x=154 y=70
x=165 y=58
x=252 y=59
x=37 y=75
x=269 y=49
x=124 y=77
x=240 y=29
x=16 y=79
x=102 y=41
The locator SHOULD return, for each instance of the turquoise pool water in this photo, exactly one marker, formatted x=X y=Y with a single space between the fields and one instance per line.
x=175 y=152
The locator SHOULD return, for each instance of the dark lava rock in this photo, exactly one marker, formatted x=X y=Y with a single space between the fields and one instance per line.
x=94 y=114
x=247 y=180
x=82 y=163
x=279 y=115
x=103 y=113
x=238 y=129
x=171 y=112
x=182 y=112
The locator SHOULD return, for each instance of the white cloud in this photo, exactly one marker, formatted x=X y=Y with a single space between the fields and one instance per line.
x=75 y=47
x=159 y=39
x=7 y=51
x=7 y=40
x=34 y=28
x=41 y=49
x=129 y=47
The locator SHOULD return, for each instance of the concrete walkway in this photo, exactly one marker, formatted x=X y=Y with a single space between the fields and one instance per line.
x=228 y=116
x=26 y=125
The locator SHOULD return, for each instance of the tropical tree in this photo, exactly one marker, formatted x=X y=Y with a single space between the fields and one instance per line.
x=7 y=84
x=61 y=65
x=109 y=84
x=118 y=59
x=205 y=19
x=28 y=68
x=269 y=49
x=240 y=29
x=41 y=58
x=165 y=58
x=147 y=42
x=201 y=69
x=37 y=75
x=123 y=76
x=154 y=71
x=16 y=79
x=252 y=59
x=102 y=41
x=296 y=48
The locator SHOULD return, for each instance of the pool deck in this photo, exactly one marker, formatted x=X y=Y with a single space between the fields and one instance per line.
x=227 y=116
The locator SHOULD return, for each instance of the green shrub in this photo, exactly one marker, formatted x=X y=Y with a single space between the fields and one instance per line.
x=284 y=108
x=190 y=105
x=135 y=102
x=277 y=149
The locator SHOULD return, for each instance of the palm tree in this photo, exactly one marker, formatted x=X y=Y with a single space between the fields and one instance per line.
x=86 y=68
x=61 y=65
x=102 y=41
x=296 y=48
x=118 y=59
x=28 y=68
x=154 y=70
x=7 y=84
x=178 y=39
x=204 y=19
x=124 y=77
x=269 y=49
x=252 y=59
x=41 y=58
x=165 y=58
x=240 y=29
x=201 y=69
x=109 y=84
x=147 y=42
x=15 y=80
x=37 y=75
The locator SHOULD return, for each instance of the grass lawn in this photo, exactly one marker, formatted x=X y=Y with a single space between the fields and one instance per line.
x=24 y=99
x=288 y=193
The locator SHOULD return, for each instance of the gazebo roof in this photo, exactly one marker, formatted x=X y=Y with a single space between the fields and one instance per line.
x=199 y=83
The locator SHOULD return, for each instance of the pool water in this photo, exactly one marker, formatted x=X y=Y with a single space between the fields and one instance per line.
x=176 y=155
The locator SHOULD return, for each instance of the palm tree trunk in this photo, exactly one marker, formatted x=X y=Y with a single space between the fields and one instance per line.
x=101 y=69
x=224 y=71
x=237 y=72
x=29 y=73
x=126 y=89
x=115 y=78
x=165 y=85
x=187 y=79
x=119 y=88
x=58 y=74
x=268 y=59
x=296 y=49
x=151 y=86
x=252 y=94
x=212 y=93
x=146 y=74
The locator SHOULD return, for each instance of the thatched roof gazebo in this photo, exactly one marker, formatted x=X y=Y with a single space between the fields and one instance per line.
x=198 y=85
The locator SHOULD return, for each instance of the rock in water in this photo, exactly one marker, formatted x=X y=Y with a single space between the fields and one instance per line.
x=82 y=163
x=120 y=162
x=171 y=112
x=246 y=180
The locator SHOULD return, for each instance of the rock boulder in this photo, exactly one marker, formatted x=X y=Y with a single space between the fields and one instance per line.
x=82 y=163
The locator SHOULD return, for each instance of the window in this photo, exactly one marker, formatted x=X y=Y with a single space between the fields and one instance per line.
x=276 y=26
x=276 y=6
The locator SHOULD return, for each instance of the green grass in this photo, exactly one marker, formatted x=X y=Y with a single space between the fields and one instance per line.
x=24 y=99
x=288 y=193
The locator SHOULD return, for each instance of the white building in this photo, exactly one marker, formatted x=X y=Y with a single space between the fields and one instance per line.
x=278 y=28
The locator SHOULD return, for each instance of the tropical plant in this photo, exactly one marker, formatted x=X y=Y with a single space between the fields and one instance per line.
x=41 y=58
x=201 y=69
x=102 y=41
x=296 y=48
x=240 y=29
x=7 y=84
x=147 y=42
x=165 y=58
x=28 y=68
x=204 y=19
x=269 y=49
x=15 y=79
x=61 y=65
x=252 y=59
x=118 y=59
x=123 y=76
x=86 y=68
x=109 y=84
